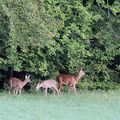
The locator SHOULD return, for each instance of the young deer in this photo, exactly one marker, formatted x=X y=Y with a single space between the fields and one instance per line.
x=16 y=85
x=52 y=84
x=69 y=80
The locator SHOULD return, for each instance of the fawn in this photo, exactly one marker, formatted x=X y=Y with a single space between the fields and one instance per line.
x=52 y=84
x=16 y=85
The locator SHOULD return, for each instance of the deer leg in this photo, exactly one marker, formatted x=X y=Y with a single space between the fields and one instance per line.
x=53 y=91
x=69 y=89
x=55 y=88
x=60 y=88
x=14 y=91
x=10 y=90
x=19 y=91
x=75 y=89
x=46 y=91
x=70 y=86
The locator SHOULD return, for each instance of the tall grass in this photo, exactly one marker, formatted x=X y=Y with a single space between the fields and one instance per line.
x=84 y=106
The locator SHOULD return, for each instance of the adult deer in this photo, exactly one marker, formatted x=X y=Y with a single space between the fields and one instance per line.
x=16 y=85
x=69 y=80
x=52 y=84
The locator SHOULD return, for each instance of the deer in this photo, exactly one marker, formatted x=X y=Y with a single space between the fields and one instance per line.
x=69 y=80
x=50 y=83
x=16 y=85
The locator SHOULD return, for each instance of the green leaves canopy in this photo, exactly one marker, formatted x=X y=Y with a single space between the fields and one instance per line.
x=51 y=36
x=29 y=31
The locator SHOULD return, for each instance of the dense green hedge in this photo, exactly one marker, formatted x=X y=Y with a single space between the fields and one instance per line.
x=46 y=37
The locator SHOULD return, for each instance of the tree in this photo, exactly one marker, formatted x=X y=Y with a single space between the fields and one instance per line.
x=88 y=37
x=29 y=31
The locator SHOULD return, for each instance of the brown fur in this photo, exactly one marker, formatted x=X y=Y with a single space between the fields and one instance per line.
x=16 y=84
x=69 y=80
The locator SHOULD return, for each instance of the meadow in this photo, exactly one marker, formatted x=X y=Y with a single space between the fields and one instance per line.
x=86 y=105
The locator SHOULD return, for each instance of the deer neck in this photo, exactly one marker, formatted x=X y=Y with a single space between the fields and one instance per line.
x=78 y=77
x=23 y=83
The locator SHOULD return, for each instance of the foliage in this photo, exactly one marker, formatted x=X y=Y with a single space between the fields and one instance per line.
x=51 y=36
x=30 y=31
x=89 y=38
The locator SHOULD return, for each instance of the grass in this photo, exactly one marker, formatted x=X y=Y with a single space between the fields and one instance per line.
x=86 y=105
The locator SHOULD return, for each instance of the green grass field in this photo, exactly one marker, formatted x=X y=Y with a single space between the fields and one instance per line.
x=84 y=106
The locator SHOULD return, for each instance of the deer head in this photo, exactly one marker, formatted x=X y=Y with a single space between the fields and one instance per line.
x=27 y=78
x=80 y=74
x=39 y=85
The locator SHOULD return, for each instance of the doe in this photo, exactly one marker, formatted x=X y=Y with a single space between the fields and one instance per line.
x=50 y=83
x=69 y=80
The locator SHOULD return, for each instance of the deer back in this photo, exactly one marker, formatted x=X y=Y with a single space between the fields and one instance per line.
x=70 y=79
x=46 y=84
x=14 y=82
x=65 y=78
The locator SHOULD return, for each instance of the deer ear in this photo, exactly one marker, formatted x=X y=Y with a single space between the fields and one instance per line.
x=28 y=76
x=25 y=76
x=79 y=69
